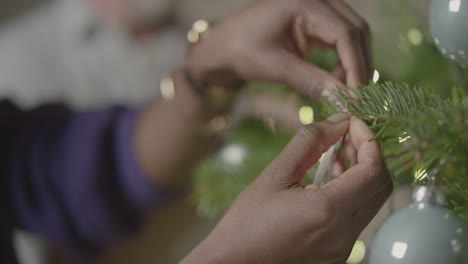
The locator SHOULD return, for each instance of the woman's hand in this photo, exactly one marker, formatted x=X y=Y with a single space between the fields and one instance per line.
x=268 y=41
x=277 y=220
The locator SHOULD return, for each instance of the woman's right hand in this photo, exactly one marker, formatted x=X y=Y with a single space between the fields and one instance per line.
x=268 y=41
x=277 y=220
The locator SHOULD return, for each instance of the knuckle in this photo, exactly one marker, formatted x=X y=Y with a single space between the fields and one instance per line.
x=236 y=44
x=283 y=68
x=362 y=26
x=349 y=32
x=365 y=27
x=277 y=174
x=312 y=132
x=375 y=171
x=273 y=173
x=312 y=135
x=346 y=29
x=236 y=50
x=326 y=213
x=374 y=175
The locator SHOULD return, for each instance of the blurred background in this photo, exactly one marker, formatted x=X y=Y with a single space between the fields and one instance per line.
x=90 y=53
x=12 y=8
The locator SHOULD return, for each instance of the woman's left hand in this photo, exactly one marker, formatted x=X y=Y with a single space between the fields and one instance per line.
x=268 y=41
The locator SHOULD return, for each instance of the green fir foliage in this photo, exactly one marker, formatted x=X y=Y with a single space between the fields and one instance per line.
x=217 y=183
x=422 y=129
x=422 y=135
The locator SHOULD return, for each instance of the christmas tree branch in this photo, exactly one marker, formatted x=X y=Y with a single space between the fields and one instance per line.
x=423 y=136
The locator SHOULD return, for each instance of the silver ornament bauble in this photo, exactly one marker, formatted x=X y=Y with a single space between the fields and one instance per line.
x=424 y=233
x=448 y=20
x=232 y=157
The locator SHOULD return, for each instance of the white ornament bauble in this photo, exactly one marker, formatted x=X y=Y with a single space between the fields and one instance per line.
x=424 y=233
x=232 y=157
x=449 y=24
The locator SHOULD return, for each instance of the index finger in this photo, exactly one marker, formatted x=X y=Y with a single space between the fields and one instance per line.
x=351 y=15
x=331 y=28
x=306 y=147
x=360 y=184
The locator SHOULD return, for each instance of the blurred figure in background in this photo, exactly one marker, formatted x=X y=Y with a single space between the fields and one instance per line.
x=90 y=52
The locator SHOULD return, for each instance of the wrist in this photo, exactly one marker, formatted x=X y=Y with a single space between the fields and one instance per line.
x=187 y=103
x=209 y=252
x=195 y=101
x=206 y=64
x=180 y=120
x=207 y=118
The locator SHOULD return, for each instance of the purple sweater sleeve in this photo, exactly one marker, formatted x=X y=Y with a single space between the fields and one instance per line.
x=73 y=177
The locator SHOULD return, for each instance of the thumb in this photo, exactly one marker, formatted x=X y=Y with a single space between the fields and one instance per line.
x=305 y=148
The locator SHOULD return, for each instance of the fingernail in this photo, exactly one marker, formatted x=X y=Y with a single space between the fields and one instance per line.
x=339 y=117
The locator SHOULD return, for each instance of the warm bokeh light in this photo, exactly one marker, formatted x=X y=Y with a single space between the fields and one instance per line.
x=420 y=174
x=306 y=115
x=234 y=155
x=167 y=89
x=193 y=37
x=454 y=6
x=399 y=250
x=404 y=138
x=358 y=253
x=376 y=76
x=200 y=26
x=415 y=36
x=386 y=105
